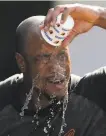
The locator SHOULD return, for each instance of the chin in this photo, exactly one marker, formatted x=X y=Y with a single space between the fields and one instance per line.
x=59 y=93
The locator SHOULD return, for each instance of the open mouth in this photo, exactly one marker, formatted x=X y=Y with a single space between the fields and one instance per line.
x=56 y=81
x=56 y=84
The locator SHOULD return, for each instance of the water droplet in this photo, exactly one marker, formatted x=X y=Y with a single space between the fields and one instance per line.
x=36 y=116
x=22 y=113
x=37 y=123
x=49 y=125
x=32 y=121
x=52 y=113
x=45 y=130
x=65 y=102
x=48 y=121
x=28 y=98
x=65 y=124
x=59 y=102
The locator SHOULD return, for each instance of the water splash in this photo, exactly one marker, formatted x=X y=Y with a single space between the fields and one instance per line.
x=45 y=130
x=36 y=118
x=48 y=122
x=33 y=121
x=52 y=112
x=65 y=102
x=28 y=97
x=38 y=107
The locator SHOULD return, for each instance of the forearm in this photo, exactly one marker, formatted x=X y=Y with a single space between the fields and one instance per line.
x=101 y=22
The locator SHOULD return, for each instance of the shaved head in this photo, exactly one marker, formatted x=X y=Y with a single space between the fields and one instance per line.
x=24 y=31
x=47 y=66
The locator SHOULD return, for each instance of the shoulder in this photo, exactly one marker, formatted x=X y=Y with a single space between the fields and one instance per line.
x=12 y=80
x=7 y=87
x=93 y=87
x=74 y=80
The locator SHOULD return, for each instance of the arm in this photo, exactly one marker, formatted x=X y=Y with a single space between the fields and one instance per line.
x=85 y=17
x=101 y=22
x=8 y=88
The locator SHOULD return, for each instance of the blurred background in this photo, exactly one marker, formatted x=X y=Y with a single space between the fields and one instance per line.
x=11 y=14
x=87 y=50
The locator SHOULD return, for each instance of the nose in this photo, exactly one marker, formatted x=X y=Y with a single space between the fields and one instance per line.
x=55 y=66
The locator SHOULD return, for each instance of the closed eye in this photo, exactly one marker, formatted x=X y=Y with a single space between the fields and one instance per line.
x=62 y=56
x=46 y=55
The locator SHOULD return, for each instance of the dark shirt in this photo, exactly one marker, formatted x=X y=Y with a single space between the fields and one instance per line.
x=85 y=114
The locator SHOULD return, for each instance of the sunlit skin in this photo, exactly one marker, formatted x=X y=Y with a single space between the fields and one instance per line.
x=45 y=63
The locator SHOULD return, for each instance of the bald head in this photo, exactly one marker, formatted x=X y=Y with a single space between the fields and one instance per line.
x=39 y=61
x=25 y=30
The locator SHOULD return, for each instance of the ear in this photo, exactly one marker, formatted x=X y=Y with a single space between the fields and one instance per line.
x=20 y=62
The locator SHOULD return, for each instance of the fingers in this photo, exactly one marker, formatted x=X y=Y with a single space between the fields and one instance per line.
x=57 y=11
x=48 y=19
x=51 y=16
x=65 y=14
x=67 y=11
x=54 y=12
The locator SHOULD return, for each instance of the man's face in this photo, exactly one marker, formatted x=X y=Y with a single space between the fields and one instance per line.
x=49 y=67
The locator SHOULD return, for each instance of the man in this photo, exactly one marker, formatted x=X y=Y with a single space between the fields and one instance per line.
x=44 y=100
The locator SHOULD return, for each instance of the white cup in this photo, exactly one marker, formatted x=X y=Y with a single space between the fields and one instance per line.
x=57 y=33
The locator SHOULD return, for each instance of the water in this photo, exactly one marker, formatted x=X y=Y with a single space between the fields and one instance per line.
x=51 y=111
x=48 y=122
x=45 y=130
x=65 y=102
x=32 y=121
x=28 y=97
x=38 y=106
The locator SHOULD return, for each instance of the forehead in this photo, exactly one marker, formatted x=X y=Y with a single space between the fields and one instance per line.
x=36 y=45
